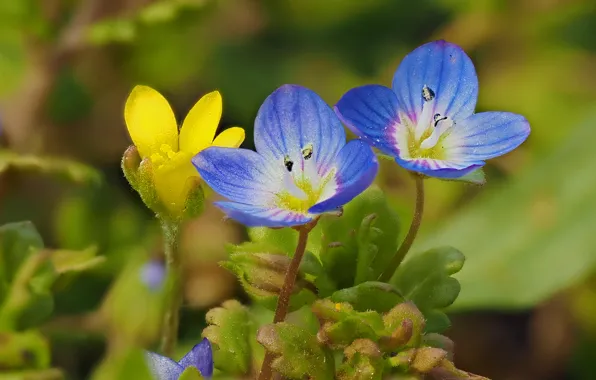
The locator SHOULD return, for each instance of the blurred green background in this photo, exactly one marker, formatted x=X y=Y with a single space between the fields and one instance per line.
x=528 y=302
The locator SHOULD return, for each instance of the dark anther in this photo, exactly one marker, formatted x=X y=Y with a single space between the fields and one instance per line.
x=438 y=118
x=307 y=152
x=427 y=93
x=288 y=163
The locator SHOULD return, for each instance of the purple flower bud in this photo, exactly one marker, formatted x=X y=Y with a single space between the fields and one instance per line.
x=153 y=274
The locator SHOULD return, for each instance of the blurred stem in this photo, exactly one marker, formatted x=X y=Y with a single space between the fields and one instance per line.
x=405 y=246
x=283 y=302
x=169 y=335
x=19 y=294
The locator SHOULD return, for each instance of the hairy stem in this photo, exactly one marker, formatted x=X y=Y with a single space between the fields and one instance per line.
x=169 y=333
x=412 y=232
x=283 y=302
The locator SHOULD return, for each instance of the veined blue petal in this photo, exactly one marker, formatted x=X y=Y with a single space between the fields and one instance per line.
x=439 y=168
x=445 y=69
x=240 y=175
x=371 y=113
x=163 y=368
x=200 y=357
x=290 y=119
x=262 y=216
x=357 y=167
x=487 y=135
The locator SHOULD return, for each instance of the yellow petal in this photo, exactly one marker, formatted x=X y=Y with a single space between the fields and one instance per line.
x=150 y=121
x=230 y=138
x=199 y=126
x=170 y=181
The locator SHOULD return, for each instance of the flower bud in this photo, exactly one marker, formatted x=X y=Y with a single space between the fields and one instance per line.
x=427 y=358
x=195 y=198
x=130 y=166
x=394 y=321
x=262 y=274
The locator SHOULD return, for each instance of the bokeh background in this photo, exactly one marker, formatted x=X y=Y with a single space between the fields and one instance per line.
x=527 y=309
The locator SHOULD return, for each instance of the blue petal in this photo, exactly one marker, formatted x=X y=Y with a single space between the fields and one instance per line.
x=293 y=117
x=444 y=68
x=371 y=113
x=200 y=357
x=163 y=368
x=490 y=134
x=438 y=168
x=261 y=216
x=240 y=175
x=357 y=167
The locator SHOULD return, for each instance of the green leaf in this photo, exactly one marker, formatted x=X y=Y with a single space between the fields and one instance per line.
x=130 y=364
x=261 y=271
x=530 y=237
x=17 y=242
x=425 y=280
x=191 y=373
x=363 y=361
x=25 y=350
x=297 y=352
x=65 y=261
x=371 y=295
x=357 y=245
x=44 y=374
x=436 y=321
x=341 y=324
x=231 y=332
x=477 y=177
x=74 y=171
x=285 y=240
x=119 y=30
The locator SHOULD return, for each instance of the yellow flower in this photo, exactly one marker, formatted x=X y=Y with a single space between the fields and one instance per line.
x=152 y=126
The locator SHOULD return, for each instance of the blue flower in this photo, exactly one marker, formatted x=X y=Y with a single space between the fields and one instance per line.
x=153 y=274
x=427 y=121
x=303 y=166
x=200 y=356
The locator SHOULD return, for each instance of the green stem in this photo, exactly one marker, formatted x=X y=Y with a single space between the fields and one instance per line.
x=171 y=319
x=411 y=235
x=283 y=302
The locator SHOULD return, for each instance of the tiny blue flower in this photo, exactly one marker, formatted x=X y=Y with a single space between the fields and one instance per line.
x=164 y=368
x=153 y=274
x=427 y=121
x=302 y=167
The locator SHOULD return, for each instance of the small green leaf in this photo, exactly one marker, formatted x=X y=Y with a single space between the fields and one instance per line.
x=363 y=361
x=297 y=352
x=190 y=373
x=130 y=364
x=426 y=280
x=114 y=30
x=75 y=261
x=24 y=350
x=72 y=170
x=371 y=295
x=17 y=242
x=261 y=271
x=44 y=374
x=436 y=321
x=341 y=324
x=477 y=177
x=357 y=245
x=285 y=239
x=231 y=331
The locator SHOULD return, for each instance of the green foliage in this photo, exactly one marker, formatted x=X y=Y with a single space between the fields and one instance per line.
x=261 y=271
x=231 y=332
x=58 y=167
x=24 y=350
x=126 y=364
x=426 y=280
x=371 y=295
x=364 y=361
x=527 y=240
x=357 y=245
x=191 y=373
x=297 y=352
